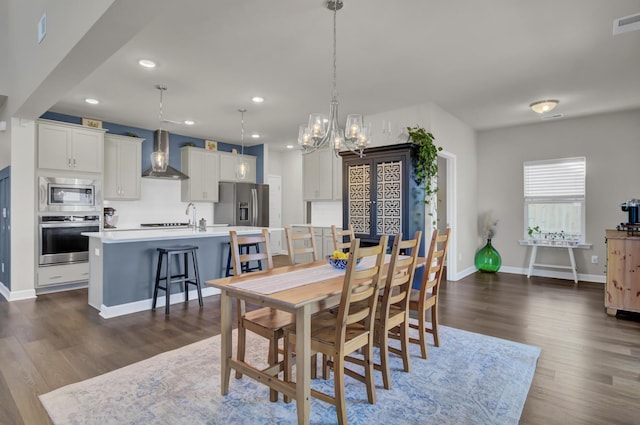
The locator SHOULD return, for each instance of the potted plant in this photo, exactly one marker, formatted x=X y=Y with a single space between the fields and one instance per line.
x=426 y=163
x=532 y=230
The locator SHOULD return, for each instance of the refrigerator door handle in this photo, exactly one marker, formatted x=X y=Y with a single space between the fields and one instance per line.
x=254 y=209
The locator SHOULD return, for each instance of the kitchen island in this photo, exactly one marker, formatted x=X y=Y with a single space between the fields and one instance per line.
x=122 y=264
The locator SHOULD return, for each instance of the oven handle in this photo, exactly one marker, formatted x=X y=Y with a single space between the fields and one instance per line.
x=77 y=224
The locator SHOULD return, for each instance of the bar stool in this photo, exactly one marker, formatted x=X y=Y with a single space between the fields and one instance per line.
x=177 y=278
x=246 y=267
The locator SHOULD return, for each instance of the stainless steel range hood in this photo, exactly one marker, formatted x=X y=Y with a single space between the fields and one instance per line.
x=161 y=144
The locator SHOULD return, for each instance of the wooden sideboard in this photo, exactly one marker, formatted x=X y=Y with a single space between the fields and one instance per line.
x=623 y=272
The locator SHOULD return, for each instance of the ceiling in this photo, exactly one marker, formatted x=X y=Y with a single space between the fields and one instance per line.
x=482 y=61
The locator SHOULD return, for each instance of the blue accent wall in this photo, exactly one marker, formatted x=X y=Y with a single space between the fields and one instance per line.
x=5 y=227
x=176 y=141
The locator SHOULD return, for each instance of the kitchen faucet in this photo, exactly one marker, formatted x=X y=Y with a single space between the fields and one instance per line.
x=194 y=213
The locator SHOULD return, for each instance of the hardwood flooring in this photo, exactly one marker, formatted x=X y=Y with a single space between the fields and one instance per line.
x=588 y=372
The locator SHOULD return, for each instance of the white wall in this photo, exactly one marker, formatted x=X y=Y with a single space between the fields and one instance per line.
x=611 y=144
x=290 y=168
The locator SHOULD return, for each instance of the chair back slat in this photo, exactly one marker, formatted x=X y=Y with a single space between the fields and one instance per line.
x=360 y=284
x=307 y=238
x=339 y=244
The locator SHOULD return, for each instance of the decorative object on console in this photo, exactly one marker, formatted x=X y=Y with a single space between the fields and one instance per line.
x=325 y=133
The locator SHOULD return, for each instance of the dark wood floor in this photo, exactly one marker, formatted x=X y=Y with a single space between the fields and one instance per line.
x=588 y=372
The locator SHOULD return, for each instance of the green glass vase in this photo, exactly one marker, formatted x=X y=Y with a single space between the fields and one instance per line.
x=488 y=259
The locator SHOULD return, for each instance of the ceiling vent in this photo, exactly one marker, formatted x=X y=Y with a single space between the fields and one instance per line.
x=552 y=117
x=626 y=24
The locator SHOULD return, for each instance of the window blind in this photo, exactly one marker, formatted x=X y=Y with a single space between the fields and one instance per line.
x=558 y=178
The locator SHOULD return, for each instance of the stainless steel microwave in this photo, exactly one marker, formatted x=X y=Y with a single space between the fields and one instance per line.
x=67 y=194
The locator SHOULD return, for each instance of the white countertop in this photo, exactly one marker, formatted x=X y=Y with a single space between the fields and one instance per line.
x=122 y=236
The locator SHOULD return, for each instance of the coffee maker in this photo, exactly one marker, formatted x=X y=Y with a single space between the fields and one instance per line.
x=110 y=218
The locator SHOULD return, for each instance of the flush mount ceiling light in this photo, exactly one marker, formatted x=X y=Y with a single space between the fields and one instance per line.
x=255 y=136
x=325 y=133
x=189 y=122
x=543 y=106
x=92 y=101
x=257 y=99
x=147 y=63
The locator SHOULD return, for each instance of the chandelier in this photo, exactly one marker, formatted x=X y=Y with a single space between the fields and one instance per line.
x=242 y=167
x=325 y=133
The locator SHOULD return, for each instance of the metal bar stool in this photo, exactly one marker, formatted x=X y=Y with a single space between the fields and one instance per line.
x=246 y=267
x=177 y=278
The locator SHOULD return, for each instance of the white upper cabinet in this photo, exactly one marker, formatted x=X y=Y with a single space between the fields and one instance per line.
x=322 y=176
x=122 y=167
x=228 y=162
x=203 y=169
x=69 y=147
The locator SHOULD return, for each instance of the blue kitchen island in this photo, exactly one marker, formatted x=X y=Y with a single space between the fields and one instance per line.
x=122 y=265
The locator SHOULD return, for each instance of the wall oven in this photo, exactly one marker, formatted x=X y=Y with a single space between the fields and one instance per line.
x=67 y=194
x=60 y=239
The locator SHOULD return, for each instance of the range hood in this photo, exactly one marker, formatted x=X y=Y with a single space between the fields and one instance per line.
x=161 y=145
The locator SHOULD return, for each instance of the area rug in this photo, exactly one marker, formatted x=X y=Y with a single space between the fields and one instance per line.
x=469 y=379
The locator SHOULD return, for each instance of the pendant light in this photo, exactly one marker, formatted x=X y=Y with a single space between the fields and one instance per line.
x=242 y=167
x=159 y=159
x=322 y=132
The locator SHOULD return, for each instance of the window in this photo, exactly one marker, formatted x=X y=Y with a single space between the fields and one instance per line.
x=554 y=197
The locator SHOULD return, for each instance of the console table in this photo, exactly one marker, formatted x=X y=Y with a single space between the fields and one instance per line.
x=568 y=245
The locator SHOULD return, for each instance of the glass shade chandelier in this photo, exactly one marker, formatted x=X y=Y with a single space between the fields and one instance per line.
x=159 y=160
x=325 y=133
x=242 y=167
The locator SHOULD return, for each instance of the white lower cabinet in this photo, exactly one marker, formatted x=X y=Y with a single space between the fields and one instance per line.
x=62 y=274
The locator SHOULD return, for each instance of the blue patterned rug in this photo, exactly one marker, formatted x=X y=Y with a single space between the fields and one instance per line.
x=469 y=379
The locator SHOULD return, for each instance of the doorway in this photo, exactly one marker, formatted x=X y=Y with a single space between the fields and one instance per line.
x=275 y=212
x=445 y=212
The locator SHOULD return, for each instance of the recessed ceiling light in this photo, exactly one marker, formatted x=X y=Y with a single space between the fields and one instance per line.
x=289 y=146
x=255 y=136
x=189 y=122
x=92 y=101
x=257 y=99
x=147 y=63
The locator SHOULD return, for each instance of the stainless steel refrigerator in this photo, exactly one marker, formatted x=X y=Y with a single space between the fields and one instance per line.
x=242 y=204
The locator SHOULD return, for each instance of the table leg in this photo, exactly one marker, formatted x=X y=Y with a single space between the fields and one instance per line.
x=573 y=264
x=225 y=340
x=532 y=259
x=303 y=364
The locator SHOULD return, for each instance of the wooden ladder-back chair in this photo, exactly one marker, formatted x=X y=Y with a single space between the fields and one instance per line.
x=392 y=314
x=266 y=322
x=426 y=297
x=337 y=336
x=307 y=246
x=339 y=243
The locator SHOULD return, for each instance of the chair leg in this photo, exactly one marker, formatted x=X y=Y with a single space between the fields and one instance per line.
x=383 y=343
x=167 y=291
x=368 y=372
x=404 y=344
x=197 y=277
x=338 y=384
x=434 y=325
x=242 y=336
x=186 y=277
x=422 y=333
x=155 y=289
x=273 y=359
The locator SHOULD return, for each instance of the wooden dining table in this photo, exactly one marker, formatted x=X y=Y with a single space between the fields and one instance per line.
x=302 y=289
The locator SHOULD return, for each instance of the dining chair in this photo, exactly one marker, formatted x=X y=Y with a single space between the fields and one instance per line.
x=338 y=237
x=306 y=244
x=426 y=297
x=266 y=322
x=392 y=314
x=337 y=336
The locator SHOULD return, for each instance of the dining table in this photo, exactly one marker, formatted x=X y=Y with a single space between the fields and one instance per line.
x=302 y=289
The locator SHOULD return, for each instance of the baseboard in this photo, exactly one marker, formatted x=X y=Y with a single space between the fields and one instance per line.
x=464 y=273
x=108 y=312
x=16 y=295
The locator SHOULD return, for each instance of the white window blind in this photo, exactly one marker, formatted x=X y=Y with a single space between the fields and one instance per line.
x=553 y=179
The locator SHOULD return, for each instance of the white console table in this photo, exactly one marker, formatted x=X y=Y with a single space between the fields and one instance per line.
x=569 y=245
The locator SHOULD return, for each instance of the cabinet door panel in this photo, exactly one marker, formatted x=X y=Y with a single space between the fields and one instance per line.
x=130 y=170
x=87 y=150
x=53 y=142
x=111 y=150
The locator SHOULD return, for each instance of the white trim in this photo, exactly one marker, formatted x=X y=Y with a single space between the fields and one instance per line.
x=107 y=312
x=16 y=295
x=462 y=274
x=452 y=217
x=556 y=275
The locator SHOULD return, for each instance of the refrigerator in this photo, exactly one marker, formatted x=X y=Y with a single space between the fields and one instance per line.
x=242 y=204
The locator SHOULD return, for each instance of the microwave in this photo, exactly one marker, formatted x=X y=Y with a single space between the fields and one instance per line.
x=67 y=194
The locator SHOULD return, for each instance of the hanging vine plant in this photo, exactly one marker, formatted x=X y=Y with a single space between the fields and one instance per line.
x=426 y=163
